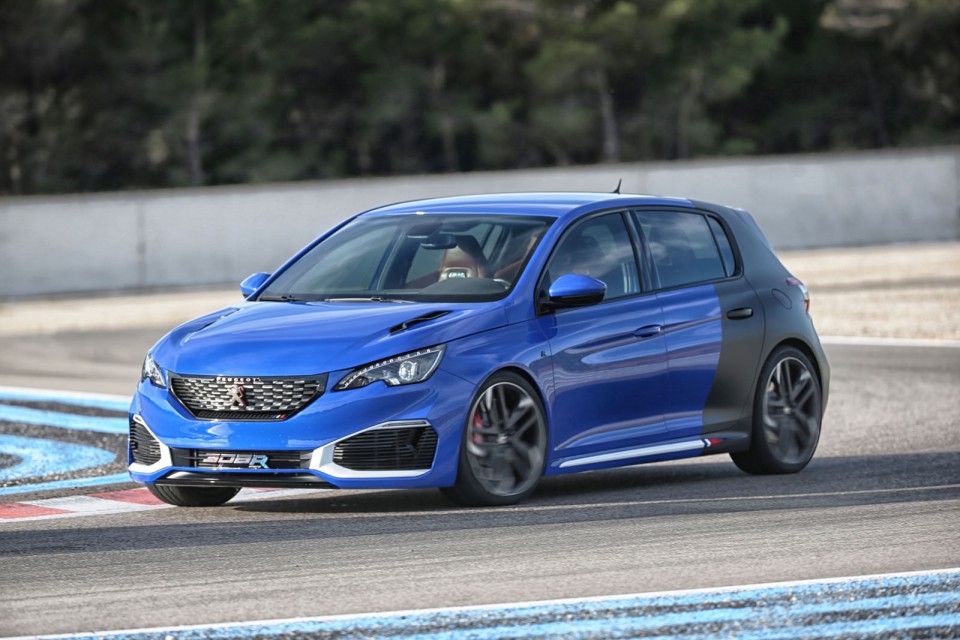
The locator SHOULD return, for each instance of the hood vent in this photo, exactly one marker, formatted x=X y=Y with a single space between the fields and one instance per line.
x=215 y=320
x=427 y=317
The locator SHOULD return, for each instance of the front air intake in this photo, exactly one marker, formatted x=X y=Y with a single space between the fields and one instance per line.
x=144 y=448
x=393 y=449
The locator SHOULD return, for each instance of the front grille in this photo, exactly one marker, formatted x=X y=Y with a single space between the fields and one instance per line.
x=245 y=398
x=400 y=449
x=144 y=448
x=208 y=459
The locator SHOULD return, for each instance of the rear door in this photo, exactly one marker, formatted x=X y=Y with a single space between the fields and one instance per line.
x=713 y=321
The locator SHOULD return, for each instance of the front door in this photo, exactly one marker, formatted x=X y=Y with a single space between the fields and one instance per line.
x=609 y=359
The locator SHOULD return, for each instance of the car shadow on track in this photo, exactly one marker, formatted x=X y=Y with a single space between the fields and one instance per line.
x=630 y=493
x=825 y=480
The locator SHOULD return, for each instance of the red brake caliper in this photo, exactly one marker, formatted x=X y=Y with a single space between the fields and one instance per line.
x=477 y=424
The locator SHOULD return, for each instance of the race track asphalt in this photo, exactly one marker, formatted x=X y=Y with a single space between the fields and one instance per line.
x=882 y=495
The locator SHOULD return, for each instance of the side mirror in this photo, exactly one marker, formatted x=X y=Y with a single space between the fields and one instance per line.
x=252 y=283
x=574 y=290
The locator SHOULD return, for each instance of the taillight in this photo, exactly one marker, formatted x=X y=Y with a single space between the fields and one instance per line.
x=794 y=282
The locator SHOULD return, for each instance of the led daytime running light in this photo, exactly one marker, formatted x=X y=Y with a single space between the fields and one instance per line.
x=351 y=378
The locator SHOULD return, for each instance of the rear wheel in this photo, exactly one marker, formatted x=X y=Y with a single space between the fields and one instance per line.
x=504 y=444
x=787 y=413
x=193 y=496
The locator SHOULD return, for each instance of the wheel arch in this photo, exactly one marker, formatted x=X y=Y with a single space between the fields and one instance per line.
x=526 y=375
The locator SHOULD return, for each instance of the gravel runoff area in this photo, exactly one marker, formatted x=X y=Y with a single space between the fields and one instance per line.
x=893 y=291
x=890 y=291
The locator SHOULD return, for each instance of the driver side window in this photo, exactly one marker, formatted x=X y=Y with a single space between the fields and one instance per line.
x=600 y=248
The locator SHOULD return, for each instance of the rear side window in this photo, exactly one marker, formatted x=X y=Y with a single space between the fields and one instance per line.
x=723 y=243
x=682 y=247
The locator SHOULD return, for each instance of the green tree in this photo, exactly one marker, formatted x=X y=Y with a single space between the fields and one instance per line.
x=716 y=54
x=119 y=94
x=39 y=101
x=593 y=59
x=922 y=38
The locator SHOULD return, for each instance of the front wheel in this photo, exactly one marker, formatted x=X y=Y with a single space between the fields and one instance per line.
x=193 y=496
x=504 y=446
x=787 y=412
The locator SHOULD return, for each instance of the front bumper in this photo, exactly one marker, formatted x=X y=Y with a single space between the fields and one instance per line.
x=314 y=433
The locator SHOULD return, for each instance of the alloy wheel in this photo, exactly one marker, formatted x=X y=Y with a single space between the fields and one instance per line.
x=506 y=439
x=791 y=412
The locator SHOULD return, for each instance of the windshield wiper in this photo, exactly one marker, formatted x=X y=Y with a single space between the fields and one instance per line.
x=284 y=298
x=367 y=299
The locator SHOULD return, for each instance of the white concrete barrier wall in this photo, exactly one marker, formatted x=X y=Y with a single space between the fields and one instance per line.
x=187 y=237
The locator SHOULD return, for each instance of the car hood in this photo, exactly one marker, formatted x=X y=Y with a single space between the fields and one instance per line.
x=295 y=338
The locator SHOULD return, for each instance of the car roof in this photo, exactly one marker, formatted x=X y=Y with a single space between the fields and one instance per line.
x=552 y=204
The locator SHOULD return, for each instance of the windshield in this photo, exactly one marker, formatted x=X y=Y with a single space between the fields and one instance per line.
x=430 y=258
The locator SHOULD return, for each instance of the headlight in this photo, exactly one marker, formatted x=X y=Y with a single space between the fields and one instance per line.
x=408 y=368
x=152 y=372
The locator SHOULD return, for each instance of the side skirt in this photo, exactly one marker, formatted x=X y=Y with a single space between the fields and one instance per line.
x=725 y=442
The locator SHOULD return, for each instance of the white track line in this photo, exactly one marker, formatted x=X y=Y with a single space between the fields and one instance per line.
x=254 y=495
x=860 y=341
x=500 y=606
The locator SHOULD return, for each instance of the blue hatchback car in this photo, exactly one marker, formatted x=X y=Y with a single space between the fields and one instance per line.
x=476 y=344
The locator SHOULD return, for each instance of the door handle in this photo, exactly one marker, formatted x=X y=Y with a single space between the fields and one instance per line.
x=740 y=314
x=647 y=331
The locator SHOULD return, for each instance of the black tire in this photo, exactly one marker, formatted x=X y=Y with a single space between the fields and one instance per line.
x=193 y=496
x=503 y=450
x=787 y=414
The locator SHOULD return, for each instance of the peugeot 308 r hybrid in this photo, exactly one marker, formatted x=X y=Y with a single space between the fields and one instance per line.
x=475 y=344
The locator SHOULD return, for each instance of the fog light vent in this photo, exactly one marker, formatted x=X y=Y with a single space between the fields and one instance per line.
x=400 y=449
x=144 y=448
